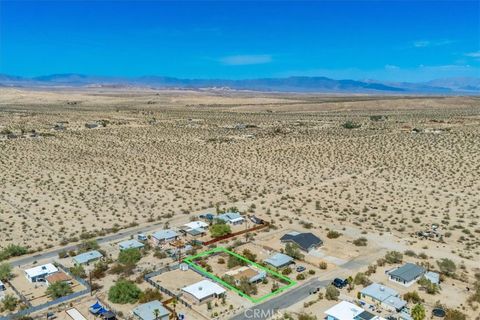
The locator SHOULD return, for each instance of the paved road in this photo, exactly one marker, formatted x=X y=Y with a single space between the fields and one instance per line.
x=125 y=233
x=269 y=308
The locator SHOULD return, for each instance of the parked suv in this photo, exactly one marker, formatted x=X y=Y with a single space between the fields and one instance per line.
x=339 y=283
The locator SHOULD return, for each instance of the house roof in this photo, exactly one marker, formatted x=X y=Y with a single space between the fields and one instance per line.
x=230 y=216
x=279 y=259
x=87 y=256
x=196 y=225
x=434 y=277
x=146 y=311
x=304 y=240
x=243 y=272
x=41 y=270
x=164 y=234
x=395 y=302
x=408 y=272
x=196 y=232
x=344 y=311
x=203 y=289
x=130 y=244
x=379 y=292
x=58 y=277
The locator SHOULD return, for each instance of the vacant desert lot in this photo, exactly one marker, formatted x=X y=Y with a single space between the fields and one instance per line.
x=285 y=157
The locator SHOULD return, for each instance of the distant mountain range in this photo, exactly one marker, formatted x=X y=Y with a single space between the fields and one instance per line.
x=464 y=86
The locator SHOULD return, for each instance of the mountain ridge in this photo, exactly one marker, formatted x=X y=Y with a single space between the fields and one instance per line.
x=289 y=84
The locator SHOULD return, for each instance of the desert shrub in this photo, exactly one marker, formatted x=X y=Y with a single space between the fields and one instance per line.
x=123 y=292
x=219 y=228
x=306 y=316
x=428 y=286
x=412 y=297
x=351 y=125
x=78 y=271
x=249 y=255
x=150 y=295
x=9 y=302
x=287 y=271
x=332 y=293
x=59 y=289
x=454 y=314
x=5 y=271
x=360 y=242
x=300 y=276
x=323 y=265
x=410 y=253
x=418 y=312
x=129 y=256
x=12 y=250
x=361 y=279
x=332 y=234
x=447 y=267
x=393 y=257
x=292 y=250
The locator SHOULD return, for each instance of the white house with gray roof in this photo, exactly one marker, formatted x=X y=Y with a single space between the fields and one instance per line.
x=87 y=257
x=162 y=236
x=407 y=274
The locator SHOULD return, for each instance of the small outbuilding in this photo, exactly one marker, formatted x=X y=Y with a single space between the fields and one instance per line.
x=433 y=277
x=130 y=244
x=279 y=260
x=87 y=257
x=153 y=310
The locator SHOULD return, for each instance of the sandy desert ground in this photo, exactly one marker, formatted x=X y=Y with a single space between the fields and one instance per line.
x=413 y=162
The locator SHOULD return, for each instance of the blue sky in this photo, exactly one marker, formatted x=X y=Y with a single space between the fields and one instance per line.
x=395 y=41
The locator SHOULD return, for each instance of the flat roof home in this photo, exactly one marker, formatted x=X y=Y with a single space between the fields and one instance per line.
x=147 y=311
x=231 y=217
x=279 y=260
x=39 y=273
x=251 y=273
x=202 y=291
x=57 y=277
x=163 y=236
x=348 y=311
x=384 y=296
x=87 y=257
x=130 y=244
x=407 y=274
x=306 y=240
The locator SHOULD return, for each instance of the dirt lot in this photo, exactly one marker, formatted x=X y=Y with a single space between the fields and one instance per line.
x=292 y=160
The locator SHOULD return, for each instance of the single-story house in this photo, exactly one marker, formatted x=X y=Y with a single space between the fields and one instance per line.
x=195 y=225
x=153 y=310
x=196 y=232
x=434 y=277
x=2 y=286
x=202 y=291
x=343 y=311
x=348 y=311
x=386 y=297
x=130 y=244
x=306 y=240
x=39 y=273
x=57 y=277
x=252 y=274
x=279 y=260
x=231 y=217
x=163 y=236
x=87 y=257
x=407 y=274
